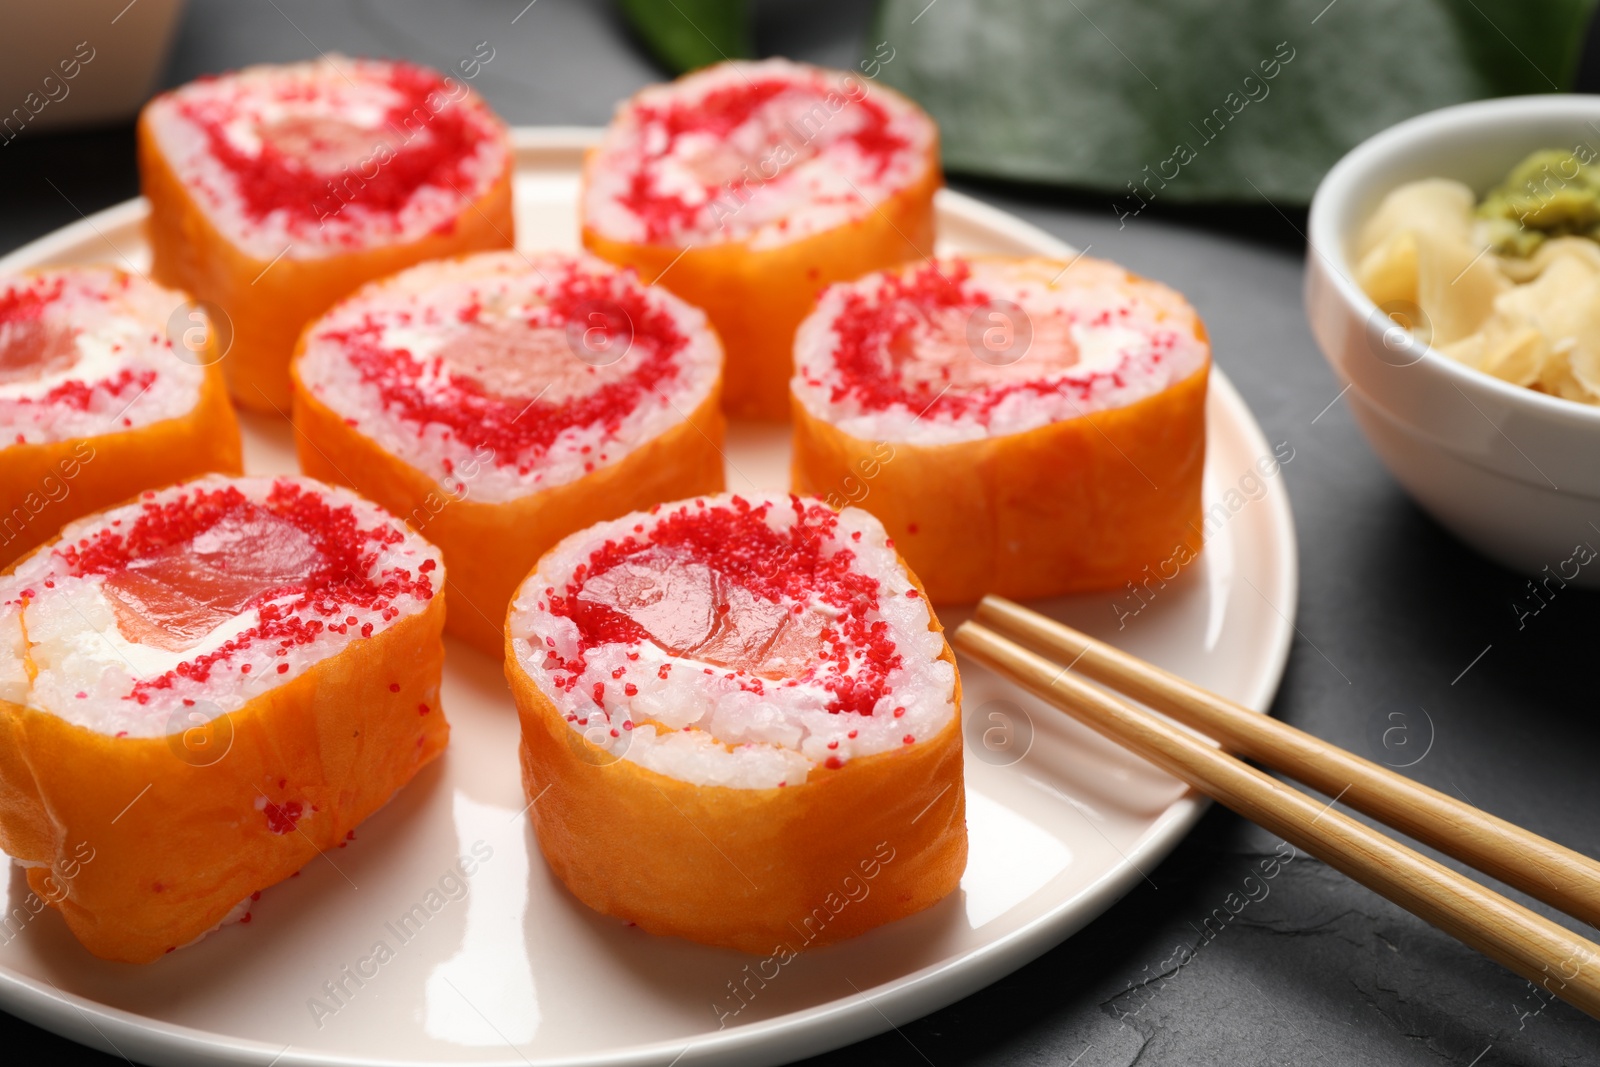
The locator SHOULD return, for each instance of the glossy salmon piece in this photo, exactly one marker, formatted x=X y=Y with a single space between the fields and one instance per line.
x=691 y=611
x=33 y=348
x=171 y=600
x=325 y=145
x=513 y=359
x=939 y=348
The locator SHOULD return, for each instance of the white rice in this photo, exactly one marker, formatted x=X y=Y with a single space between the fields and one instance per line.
x=1133 y=339
x=333 y=88
x=114 y=322
x=84 y=669
x=789 y=171
x=698 y=724
x=417 y=311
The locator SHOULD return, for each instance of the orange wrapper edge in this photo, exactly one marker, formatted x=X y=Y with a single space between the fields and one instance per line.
x=45 y=486
x=1080 y=505
x=173 y=845
x=490 y=547
x=765 y=871
x=757 y=297
x=270 y=302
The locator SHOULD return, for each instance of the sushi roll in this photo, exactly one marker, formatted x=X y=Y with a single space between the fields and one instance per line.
x=1023 y=427
x=746 y=188
x=740 y=723
x=499 y=403
x=99 y=399
x=201 y=691
x=276 y=190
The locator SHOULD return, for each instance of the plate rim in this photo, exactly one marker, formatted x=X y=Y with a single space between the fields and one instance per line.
x=809 y=1031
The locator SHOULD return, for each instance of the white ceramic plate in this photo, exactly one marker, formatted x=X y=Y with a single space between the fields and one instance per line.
x=511 y=970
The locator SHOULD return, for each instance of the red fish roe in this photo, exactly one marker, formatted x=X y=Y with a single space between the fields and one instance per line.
x=77 y=393
x=794 y=564
x=513 y=429
x=26 y=299
x=340 y=580
x=281 y=818
x=873 y=328
x=422 y=144
x=32 y=341
x=721 y=111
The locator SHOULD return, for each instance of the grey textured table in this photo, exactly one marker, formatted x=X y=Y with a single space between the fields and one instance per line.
x=1392 y=611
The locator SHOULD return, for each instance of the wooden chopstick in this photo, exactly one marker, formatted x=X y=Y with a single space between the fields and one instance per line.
x=1539 y=867
x=1566 y=965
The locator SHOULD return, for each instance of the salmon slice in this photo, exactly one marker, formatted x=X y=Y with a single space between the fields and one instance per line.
x=690 y=610
x=34 y=348
x=969 y=349
x=321 y=143
x=174 y=598
x=514 y=360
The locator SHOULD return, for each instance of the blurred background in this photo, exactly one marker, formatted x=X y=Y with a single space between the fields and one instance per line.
x=1123 y=107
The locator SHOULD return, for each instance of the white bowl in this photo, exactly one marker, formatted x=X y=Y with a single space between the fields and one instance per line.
x=69 y=63
x=1512 y=472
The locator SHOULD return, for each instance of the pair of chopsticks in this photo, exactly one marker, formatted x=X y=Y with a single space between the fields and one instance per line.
x=1024 y=646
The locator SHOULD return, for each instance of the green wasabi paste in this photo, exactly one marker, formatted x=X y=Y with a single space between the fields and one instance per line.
x=1552 y=193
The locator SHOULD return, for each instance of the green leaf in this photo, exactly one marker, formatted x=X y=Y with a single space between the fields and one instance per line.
x=685 y=34
x=1172 y=99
